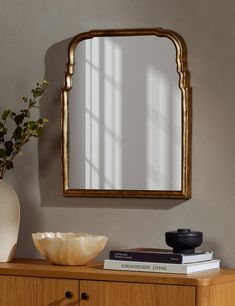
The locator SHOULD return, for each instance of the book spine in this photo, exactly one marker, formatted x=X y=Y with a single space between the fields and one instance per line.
x=143 y=267
x=146 y=257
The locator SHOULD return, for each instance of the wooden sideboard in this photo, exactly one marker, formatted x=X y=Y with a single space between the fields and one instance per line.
x=39 y=283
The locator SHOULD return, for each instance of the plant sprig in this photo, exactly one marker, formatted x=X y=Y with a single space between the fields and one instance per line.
x=11 y=145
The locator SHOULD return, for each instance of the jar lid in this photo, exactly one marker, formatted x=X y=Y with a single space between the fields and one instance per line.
x=184 y=233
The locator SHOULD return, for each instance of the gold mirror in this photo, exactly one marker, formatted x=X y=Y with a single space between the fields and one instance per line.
x=126 y=115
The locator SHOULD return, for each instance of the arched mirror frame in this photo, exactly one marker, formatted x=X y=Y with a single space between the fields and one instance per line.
x=186 y=99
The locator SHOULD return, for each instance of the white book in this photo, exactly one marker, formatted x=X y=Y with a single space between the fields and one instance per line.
x=161 y=267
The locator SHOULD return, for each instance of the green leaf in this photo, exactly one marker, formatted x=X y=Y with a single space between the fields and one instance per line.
x=19 y=119
x=9 y=147
x=43 y=121
x=7 y=113
x=2 y=153
x=45 y=82
x=37 y=92
x=18 y=132
x=25 y=112
x=32 y=125
x=39 y=132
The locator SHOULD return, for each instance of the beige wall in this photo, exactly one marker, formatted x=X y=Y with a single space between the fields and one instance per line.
x=34 y=36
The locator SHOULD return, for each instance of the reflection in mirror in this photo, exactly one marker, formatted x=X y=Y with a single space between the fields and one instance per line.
x=126 y=118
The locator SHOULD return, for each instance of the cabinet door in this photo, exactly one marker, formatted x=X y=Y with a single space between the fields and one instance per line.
x=35 y=291
x=100 y=293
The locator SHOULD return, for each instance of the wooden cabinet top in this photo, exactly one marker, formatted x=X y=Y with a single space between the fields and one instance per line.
x=95 y=271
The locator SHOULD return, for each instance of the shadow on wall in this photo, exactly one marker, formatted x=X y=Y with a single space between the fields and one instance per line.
x=49 y=149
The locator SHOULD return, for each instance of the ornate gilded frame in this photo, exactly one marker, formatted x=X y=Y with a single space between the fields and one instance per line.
x=184 y=84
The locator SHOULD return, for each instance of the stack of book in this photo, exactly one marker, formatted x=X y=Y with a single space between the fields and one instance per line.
x=160 y=260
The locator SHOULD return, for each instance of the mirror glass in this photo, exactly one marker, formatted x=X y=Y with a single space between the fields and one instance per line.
x=124 y=116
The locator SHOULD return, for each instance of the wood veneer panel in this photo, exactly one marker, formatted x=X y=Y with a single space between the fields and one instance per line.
x=95 y=271
x=129 y=294
x=217 y=295
x=34 y=291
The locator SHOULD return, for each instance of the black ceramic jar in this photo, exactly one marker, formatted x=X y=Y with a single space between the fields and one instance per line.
x=183 y=240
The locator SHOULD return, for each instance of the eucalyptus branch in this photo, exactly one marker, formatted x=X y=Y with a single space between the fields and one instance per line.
x=11 y=146
x=13 y=155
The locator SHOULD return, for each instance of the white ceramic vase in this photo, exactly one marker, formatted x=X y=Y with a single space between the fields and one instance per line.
x=9 y=221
